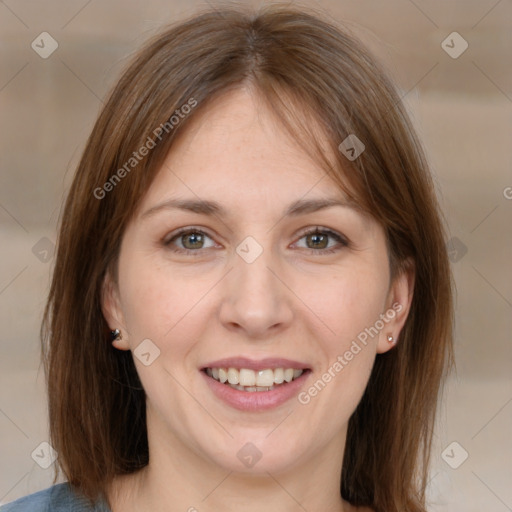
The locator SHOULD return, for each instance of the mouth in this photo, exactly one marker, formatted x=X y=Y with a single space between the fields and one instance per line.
x=253 y=386
x=254 y=381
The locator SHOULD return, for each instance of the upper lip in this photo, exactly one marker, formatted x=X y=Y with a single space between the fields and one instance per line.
x=256 y=364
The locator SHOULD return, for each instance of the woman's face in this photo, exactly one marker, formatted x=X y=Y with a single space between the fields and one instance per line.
x=221 y=275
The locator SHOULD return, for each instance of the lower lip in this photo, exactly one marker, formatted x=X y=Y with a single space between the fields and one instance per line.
x=256 y=400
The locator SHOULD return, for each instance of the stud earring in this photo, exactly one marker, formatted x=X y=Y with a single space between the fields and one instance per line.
x=116 y=335
x=391 y=340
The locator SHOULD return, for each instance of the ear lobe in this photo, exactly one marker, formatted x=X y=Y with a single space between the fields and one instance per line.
x=398 y=306
x=111 y=309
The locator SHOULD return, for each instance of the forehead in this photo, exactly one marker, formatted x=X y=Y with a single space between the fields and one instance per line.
x=236 y=147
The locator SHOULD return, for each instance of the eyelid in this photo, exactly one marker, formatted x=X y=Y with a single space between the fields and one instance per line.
x=323 y=230
x=341 y=239
x=183 y=231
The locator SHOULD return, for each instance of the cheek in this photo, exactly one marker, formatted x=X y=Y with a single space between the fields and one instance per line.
x=158 y=303
x=349 y=308
x=353 y=309
x=145 y=297
x=345 y=302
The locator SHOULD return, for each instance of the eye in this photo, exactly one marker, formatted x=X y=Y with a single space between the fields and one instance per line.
x=189 y=240
x=322 y=241
x=318 y=241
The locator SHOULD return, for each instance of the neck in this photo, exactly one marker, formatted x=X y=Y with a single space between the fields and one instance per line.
x=178 y=480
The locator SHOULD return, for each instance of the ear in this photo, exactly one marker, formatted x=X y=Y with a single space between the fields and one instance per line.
x=398 y=305
x=112 y=311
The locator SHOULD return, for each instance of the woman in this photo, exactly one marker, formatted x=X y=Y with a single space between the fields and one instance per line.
x=251 y=305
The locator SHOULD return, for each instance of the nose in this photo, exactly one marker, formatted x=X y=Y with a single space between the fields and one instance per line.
x=256 y=301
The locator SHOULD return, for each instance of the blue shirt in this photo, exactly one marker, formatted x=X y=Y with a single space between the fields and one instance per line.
x=58 y=498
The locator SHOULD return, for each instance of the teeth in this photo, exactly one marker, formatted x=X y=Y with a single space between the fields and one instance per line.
x=223 y=375
x=265 y=378
x=252 y=381
x=247 y=377
x=278 y=375
x=233 y=376
x=288 y=374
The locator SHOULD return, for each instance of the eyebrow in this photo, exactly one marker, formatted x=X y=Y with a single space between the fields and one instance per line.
x=213 y=208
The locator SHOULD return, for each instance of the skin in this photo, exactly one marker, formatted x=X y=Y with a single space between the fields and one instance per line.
x=294 y=301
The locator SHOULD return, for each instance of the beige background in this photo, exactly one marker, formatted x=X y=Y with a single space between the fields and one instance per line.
x=462 y=108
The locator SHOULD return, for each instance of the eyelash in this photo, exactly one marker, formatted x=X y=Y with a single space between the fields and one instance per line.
x=317 y=230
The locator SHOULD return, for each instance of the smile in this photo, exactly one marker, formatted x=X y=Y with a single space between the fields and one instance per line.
x=246 y=379
x=251 y=385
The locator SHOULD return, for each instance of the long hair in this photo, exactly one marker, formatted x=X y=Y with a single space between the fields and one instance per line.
x=311 y=73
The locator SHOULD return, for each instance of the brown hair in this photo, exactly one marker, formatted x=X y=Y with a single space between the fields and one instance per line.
x=310 y=73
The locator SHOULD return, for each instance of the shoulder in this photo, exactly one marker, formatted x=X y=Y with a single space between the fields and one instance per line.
x=58 y=498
